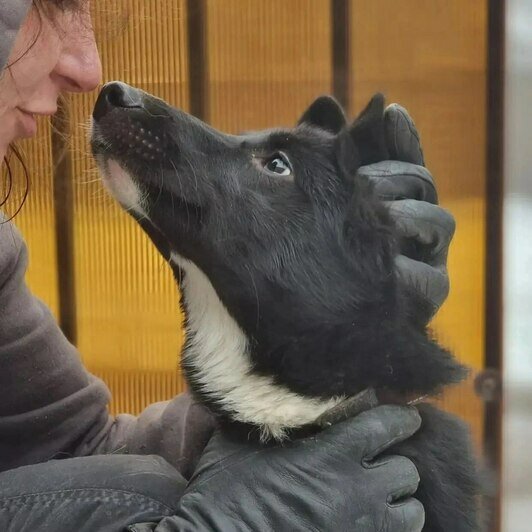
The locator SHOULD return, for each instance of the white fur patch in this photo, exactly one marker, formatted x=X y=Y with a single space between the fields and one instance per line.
x=218 y=350
x=122 y=187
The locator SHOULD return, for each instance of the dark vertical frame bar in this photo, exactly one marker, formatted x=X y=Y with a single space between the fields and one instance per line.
x=64 y=221
x=494 y=244
x=341 y=31
x=197 y=58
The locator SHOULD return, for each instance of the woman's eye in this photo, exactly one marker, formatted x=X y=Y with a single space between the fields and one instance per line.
x=278 y=165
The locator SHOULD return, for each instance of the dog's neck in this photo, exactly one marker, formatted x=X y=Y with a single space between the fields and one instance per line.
x=216 y=358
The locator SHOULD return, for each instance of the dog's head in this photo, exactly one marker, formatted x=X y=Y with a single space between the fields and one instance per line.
x=288 y=257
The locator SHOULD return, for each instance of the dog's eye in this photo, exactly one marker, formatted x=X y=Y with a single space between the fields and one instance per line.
x=278 y=165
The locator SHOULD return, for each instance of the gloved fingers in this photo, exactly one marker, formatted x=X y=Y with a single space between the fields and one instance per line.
x=408 y=516
x=428 y=226
x=375 y=430
x=430 y=283
x=222 y=449
x=393 y=180
x=401 y=474
x=142 y=527
x=402 y=137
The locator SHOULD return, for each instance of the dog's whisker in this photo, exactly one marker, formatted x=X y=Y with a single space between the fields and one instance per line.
x=256 y=295
x=186 y=203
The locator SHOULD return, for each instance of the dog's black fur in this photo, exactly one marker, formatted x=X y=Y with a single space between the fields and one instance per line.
x=304 y=263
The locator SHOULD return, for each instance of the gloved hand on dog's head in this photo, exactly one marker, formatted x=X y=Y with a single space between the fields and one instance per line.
x=408 y=187
x=425 y=229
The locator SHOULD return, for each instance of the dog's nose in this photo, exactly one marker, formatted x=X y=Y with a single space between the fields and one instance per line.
x=116 y=95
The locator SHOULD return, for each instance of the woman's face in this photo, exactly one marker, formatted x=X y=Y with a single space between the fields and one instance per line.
x=47 y=59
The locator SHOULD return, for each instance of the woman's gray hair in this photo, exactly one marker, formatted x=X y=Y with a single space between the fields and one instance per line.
x=12 y=15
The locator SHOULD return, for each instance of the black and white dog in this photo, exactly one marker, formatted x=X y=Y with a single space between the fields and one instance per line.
x=286 y=264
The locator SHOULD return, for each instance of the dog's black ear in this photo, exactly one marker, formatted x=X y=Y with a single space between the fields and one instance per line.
x=364 y=142
x=326 y=113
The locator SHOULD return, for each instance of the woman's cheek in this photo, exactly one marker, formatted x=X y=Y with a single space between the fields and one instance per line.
x=33 y=58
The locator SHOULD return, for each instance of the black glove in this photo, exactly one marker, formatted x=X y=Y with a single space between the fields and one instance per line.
x=425 y=228
x=331 y=482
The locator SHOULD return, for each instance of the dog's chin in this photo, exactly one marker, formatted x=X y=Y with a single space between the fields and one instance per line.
x=144 y=202
x=122 y=186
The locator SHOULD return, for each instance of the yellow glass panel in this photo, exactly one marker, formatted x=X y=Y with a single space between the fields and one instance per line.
x=129 y=322
x=266 y=60
x=36 y=220
x=431 y=57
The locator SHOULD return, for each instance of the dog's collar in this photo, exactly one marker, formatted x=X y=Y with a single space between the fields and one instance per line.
x=363 y=401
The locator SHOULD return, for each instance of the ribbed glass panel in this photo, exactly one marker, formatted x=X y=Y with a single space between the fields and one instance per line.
x=129 y=323
x=266 y=60
x=36 y=219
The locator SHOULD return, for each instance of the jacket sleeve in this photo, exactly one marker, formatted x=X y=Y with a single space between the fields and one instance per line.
x=51 y=407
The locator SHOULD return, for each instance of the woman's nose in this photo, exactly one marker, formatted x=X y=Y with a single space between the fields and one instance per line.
x=79 y=68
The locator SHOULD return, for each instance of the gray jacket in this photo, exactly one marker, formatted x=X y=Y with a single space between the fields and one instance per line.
x=50 y=406
x=12 y=13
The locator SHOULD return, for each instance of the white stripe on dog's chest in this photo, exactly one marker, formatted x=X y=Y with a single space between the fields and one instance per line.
x=218 y=350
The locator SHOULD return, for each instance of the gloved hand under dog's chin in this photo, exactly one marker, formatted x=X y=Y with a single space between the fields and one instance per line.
x=342 y=478
x=425 y=230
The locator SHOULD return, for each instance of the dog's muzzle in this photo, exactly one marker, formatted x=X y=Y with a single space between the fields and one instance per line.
x=123 y=124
